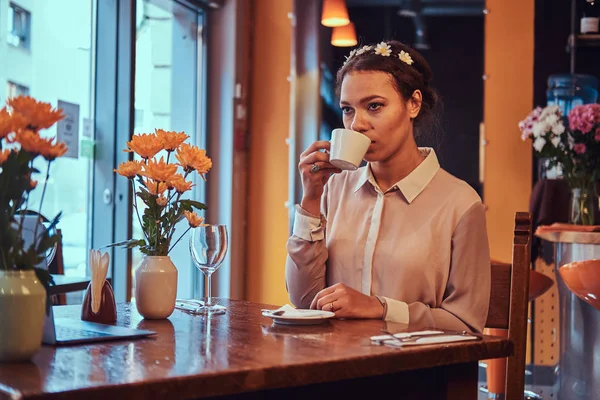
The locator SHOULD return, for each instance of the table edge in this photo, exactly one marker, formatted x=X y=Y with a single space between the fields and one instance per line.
x=274 y=377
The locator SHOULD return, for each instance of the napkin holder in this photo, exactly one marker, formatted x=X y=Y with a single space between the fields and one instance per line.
x=107 y=313
x=99 y=301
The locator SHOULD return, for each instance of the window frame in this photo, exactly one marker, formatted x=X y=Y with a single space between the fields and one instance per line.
x=23 y=38
x=114 y=109
x=15 y=89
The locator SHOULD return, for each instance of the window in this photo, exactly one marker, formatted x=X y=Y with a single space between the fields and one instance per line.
x=167 y=94
x=19 y=26
x=93 y=92
x=61 y=72
x=14 y=90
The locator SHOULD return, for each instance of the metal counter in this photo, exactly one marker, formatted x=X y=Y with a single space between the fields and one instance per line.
x=579 y=364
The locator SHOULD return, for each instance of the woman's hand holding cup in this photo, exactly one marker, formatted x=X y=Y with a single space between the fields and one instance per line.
x=315 y=171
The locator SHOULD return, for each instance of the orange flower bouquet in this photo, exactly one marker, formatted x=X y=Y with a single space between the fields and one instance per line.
x=24 y=241
x=21 y=121
x=160 y=183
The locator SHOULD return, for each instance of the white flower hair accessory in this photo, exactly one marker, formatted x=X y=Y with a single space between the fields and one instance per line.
x=405 y=57
x=349 y=56
x=363 y=49
x=357 y=52
x=383 y=49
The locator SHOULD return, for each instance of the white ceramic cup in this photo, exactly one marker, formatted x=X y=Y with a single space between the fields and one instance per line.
x=348 y=148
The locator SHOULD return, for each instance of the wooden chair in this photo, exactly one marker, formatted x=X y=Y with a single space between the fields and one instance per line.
x=57 y=267
x=508 y=304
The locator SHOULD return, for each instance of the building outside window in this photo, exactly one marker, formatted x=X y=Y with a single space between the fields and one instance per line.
x=57 y=68
x=19 y=26
x=14 y=89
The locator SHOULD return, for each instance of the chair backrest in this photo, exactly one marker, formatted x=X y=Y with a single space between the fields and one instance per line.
x=56 y=265
x=508 y=303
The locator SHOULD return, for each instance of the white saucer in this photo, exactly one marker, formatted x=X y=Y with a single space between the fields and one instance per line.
x=312 y=317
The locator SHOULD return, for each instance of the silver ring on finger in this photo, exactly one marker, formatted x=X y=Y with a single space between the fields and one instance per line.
x=314 y=169
x=331 y=306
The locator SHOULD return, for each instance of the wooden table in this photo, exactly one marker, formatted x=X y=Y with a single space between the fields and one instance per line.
x=244 y=355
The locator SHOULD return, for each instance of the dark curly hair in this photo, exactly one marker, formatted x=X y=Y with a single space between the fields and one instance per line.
x=406 y=78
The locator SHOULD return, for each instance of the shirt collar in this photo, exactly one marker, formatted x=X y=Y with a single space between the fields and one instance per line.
x=413 y=184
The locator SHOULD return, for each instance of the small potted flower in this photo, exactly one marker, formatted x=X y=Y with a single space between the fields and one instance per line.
x=575 y=149
x=23 y=297
x=160 y=183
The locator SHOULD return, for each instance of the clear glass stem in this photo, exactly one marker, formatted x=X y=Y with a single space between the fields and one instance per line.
x=209 y=291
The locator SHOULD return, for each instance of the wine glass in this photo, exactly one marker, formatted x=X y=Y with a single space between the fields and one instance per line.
x=208 y=246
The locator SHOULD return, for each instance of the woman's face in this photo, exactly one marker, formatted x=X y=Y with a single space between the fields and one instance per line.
x=372 y=106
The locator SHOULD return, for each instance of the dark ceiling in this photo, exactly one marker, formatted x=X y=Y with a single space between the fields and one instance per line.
x=427 y=7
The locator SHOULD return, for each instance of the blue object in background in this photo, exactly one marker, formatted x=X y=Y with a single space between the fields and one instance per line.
x=570 y=90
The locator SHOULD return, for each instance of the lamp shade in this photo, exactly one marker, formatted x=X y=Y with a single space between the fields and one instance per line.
x=334 y=13
x=344 y=36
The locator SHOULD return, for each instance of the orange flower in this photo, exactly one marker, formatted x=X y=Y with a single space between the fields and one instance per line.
x=161 y=201
x=10 y=123
x=145 y=145
x=160 y=171
x=171 y=140
x=155 y=188
x=193 y=219
x=4 y=156
x=180 y=184
x=32 y=142
x=129 y=169
x=192 y=158
x=203 y=165
x=6 y=123
x=174 y=178
x=39 y=115
x=53 y=151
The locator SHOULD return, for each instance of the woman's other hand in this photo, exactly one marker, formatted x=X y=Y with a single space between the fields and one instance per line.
x=346 y=302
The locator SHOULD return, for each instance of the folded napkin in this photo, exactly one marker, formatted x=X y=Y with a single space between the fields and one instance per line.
x=432 y=340
x=422 y=337
x=291 y=312
x=404 y=335
x=98 y=270
x=561 y=227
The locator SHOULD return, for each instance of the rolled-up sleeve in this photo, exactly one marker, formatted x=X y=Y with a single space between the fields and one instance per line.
x=308 y=227
x=396 y=311
x=306 y=263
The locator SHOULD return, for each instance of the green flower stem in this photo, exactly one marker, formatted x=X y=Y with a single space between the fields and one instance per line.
x=584 y=196
x=37 y=224
x=156 y=225
x=172 y=230
x=180 y=237
x=137 y=212
x=22 y=215
x=17 y=204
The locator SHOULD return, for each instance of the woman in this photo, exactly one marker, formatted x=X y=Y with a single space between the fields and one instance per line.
x=399 y=239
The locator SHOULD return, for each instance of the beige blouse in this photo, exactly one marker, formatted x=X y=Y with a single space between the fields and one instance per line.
x=422 y=246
